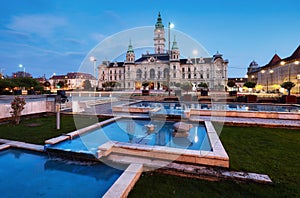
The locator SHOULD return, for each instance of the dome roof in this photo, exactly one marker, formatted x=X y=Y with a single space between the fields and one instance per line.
x=253 y=64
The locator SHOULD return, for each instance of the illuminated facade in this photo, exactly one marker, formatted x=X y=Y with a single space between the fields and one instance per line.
x=163 y=67
x=277 y=71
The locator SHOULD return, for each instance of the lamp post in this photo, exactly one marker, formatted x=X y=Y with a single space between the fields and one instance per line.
x=94 y=60
x=271 y=73
x=298 y=78
x=22 y=66
x=263 y=71
x=170 y=26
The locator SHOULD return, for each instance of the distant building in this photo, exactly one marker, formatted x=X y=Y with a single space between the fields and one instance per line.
x=162 y=66
x=253 y=70
x=239 y=82
x=21 y=74
x=72 y=80
x=270 y=76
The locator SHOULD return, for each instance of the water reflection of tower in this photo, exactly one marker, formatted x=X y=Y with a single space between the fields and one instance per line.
x=130 y=128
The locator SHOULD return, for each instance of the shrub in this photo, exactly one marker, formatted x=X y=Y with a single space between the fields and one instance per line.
x=17 y=106
x=288 y=85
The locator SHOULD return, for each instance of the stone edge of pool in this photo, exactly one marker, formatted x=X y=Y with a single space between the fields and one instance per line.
x=21 y=145
x=216 y=157
x=126 y=108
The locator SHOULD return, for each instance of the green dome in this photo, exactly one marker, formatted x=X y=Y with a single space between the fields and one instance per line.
x=174 y=46
x=130 y=48
x=159 y=22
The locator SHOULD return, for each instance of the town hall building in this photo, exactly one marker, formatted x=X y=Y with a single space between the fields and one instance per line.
x=164 y=67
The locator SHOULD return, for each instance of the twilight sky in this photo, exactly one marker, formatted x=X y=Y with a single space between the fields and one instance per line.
x=55 y=36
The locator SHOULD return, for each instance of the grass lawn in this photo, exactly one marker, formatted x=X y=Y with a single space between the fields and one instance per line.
x=275 y=152
x=37 y=130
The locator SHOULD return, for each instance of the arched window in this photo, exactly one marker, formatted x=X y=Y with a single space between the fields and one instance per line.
x=138 y=74
x=166 y=73
x=152 y=74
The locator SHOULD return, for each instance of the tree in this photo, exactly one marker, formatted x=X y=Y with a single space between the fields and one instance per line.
x=47 y=84
x=87 y=85
x=145 y=84
x=111 y=84
x=288 y=85
x=186 y=86
x=202 y=84
x=177 y=84
x=61 y=84
x=17 y=106
x=6 y=83
x=231 y=83
x=249 y=84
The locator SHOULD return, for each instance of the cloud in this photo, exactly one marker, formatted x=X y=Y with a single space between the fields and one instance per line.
x=74 y=41
x=98 y=37
x=43 y=25
x=15 y=34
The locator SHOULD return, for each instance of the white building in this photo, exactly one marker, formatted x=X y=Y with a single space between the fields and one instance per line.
x=161 y=67
x=72 y=80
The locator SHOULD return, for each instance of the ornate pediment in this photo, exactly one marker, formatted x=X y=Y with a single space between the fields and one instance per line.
x=152 y=59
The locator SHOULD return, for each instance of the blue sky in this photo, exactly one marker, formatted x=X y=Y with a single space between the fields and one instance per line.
x=55 y=36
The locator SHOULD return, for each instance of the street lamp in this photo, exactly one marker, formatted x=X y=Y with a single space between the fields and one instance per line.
x=271 y=72
x=263 y=71
x=94 y=60
x=170 y=26
x=298 y=78
x=21 y=66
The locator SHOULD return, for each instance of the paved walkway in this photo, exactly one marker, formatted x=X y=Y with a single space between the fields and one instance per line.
x=106 y=109
x=251 y=121
x=22 y=145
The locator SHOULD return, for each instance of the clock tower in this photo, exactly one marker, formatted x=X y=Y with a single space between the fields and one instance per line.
x=159 y=36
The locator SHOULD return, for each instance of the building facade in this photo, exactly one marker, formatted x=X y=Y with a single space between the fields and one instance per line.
x=270 y=76
x=163 y=67
x=72 y=80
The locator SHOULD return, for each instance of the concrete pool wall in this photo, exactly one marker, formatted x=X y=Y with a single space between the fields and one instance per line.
x=244 y=114
x=218 y=113
x=216 y=157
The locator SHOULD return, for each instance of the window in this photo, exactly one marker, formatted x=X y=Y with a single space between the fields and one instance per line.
x=120 y=74
x=207 y=75
x=138 y=74
x=152 y=74
x=174 y=75
x=174 y=67
x=166 y=72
